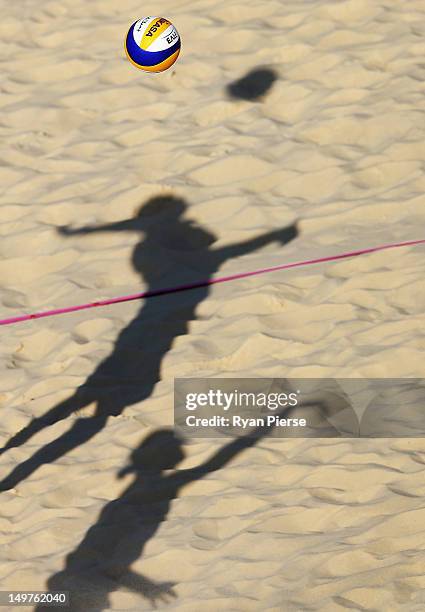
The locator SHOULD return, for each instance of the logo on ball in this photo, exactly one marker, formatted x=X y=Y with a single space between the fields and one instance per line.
x=152 y=44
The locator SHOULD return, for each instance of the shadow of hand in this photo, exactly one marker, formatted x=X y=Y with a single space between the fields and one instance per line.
x=159 y=592
x=286 y=234
x=65 y=230
x=156 y=592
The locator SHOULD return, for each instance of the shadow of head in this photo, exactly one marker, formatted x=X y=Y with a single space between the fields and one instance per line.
x=161 y=450
x=164 y=206
x=164 y=219
x=253 y=85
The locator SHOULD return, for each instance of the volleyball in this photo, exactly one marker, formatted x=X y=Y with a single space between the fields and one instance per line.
x=152 y=44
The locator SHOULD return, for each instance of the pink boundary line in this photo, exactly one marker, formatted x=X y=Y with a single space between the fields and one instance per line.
x=203 y=283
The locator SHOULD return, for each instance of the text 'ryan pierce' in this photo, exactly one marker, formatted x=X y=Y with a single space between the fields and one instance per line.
x=238 y=421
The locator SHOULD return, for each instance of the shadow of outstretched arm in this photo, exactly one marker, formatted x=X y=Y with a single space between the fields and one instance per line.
x=225 y=454
x=284 y=236
x=118 y=226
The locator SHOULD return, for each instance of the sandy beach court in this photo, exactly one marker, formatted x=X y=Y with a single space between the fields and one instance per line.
x=285 y=131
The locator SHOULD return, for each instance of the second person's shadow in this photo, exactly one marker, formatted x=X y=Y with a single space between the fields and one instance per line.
x=103 y=561
x=171 y=248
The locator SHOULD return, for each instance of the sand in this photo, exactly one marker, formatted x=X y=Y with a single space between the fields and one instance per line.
x=329 y=135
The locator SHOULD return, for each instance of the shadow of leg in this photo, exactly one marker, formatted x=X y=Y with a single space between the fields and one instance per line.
x=82 y=431
x=58 y=413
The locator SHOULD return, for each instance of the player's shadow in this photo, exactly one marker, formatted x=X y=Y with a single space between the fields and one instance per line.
x=173 y=251
x=253 y=85
x=102 y=562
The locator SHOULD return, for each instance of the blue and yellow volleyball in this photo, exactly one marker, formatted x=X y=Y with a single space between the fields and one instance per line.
x=152 y=44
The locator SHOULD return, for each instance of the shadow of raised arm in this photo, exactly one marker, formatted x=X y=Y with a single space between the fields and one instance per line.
x=225 y=454
x=118 y=226
x=283 y=235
